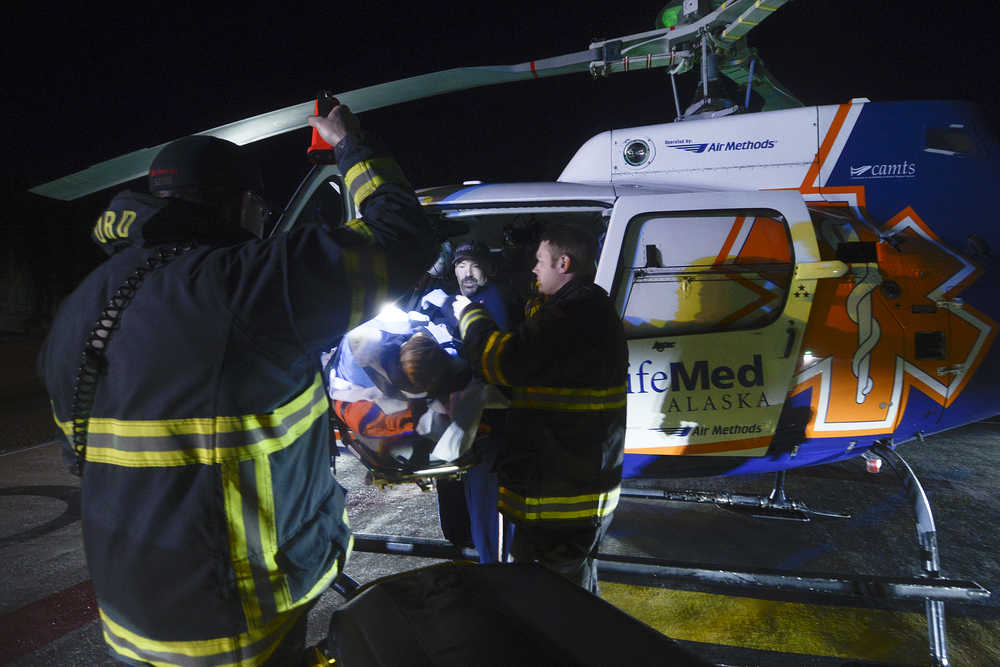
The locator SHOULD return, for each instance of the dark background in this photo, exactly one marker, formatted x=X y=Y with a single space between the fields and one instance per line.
x=84 y=84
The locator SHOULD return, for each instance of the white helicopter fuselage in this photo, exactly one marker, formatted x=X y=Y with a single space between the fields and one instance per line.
x=785 y=278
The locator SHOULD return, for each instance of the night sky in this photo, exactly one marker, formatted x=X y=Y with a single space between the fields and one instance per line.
x=85 y=84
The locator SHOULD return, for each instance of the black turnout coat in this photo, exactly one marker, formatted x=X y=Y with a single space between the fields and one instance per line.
x=566 y=367
x=210 y=516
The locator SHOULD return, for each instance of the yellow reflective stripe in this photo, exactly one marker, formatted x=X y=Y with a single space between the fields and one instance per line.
x=359 y=227
x=381 y=273
x=66 y=427
x=352 y=268
x=203 y=425
x=275 y=431
x=561 y=500
x=206 y=456
x=468 y=317
x=484 y=361
x=364 y=299
x=569 y=398
x=324 y=581
x=499 y=354
x=217 y=652
x=232 y=495
x=206 y=434
x=532 y=307
x=603 y=392
x=558 y=507
x=491 y=357
x=267 y=522
x=122 y=650
x=367 y=176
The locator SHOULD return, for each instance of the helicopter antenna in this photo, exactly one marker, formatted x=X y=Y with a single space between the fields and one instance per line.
x=719 y=88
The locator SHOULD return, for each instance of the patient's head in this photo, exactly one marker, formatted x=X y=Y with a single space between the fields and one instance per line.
x=425 y=364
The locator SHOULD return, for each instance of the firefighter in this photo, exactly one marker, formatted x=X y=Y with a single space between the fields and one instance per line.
x=198 y=418
x=561 y=464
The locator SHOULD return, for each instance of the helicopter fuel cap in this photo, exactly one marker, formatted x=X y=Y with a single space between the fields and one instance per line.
x=638 y=152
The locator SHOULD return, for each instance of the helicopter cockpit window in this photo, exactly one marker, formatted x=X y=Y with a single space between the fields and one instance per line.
x=511 y=233
x=685 y=274
x=837 y=235
x=953 y=140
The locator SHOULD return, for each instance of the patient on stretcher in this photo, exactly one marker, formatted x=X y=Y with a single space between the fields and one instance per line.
x=409 y=400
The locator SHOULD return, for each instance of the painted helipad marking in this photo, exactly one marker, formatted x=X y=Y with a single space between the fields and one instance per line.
x=794 y=627
x=29 y=448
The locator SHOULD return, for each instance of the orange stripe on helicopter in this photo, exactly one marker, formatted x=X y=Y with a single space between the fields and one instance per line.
x=810 y=184
x=707 y=448
x=764 y=297
x=758 y=246
x=891 y=365
x=734 y=233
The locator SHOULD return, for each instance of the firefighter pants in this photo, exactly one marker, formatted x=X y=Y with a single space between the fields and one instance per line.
x=567 y=551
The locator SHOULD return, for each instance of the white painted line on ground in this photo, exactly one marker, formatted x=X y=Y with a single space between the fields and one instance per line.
x=24 y=449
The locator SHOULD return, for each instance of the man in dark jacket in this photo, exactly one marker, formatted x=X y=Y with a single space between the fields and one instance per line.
x=474 y=273
x=199 y=420
x=561 y=464
x=468 y=507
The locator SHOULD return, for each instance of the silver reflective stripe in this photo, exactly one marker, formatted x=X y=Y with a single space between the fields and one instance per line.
x=254 y=546
x=171 y=436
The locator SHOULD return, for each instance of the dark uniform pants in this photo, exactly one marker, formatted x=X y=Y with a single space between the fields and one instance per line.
x=567 y=551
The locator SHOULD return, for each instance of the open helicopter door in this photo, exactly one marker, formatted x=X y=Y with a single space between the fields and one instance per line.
x=319 y=199
x=714 y=289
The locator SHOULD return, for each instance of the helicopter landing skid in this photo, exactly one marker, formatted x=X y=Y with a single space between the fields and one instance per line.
x=927 y=540
x=774 y=506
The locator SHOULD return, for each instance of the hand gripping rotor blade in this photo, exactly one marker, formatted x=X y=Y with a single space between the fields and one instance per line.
x=136 y=164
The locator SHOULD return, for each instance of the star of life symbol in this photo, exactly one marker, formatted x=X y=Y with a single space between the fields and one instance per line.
x=886 y=376
x=883 y=370
x=859 y=309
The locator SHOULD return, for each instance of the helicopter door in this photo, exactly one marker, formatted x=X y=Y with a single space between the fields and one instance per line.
x=713 y=314
x=319 y=199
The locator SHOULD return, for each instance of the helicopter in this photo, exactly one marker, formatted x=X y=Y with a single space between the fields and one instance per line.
x=799 y=285
x=826 y=298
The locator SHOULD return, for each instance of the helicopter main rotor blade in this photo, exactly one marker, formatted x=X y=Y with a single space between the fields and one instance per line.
x=655 y=48
x=136 y=164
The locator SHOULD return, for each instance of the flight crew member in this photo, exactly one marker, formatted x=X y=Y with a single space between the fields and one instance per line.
x=211 y=521
x=467 y=508
x=473 y=265
x=561 y=465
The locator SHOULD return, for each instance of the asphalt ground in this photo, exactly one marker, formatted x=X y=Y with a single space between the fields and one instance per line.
x=47 y=611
